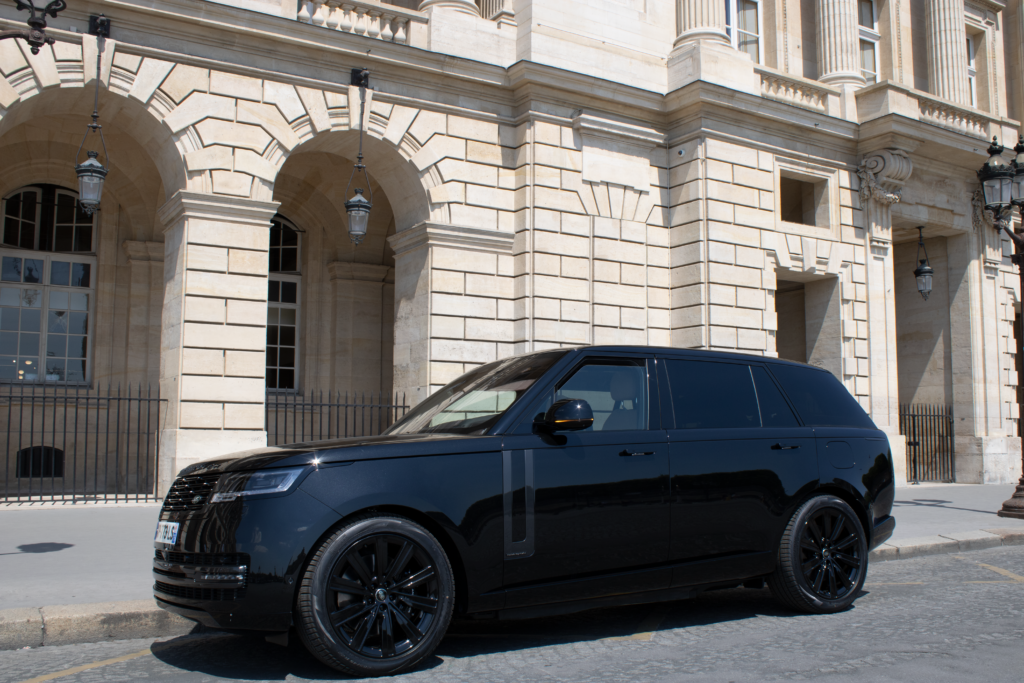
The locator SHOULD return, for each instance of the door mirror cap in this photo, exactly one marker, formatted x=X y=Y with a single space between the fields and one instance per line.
x=568 y=415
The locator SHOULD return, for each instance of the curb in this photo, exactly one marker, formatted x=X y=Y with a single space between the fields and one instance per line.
x=962 y=541
x=89 y=623
x=101 y=621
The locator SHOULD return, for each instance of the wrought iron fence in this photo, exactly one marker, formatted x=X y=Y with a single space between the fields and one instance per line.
x=294 y=418
x=929 y=433
x=73 y=443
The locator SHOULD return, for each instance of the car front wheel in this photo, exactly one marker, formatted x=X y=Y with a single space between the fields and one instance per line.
x=376 y=598
x=823 y=557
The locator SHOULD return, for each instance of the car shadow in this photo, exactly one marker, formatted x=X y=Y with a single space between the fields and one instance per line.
x=934 y=503
x=32 y=548
x=251 y=657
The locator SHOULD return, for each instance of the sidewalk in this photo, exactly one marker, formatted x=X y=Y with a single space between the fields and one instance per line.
x=58 y=562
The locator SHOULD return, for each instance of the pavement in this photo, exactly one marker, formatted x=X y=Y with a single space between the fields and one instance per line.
x=82 y=573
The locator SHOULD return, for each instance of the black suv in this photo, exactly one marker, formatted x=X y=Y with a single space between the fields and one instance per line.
x=550 y=482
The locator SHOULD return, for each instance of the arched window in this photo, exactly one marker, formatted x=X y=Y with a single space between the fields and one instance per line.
x=283 y=305
x=46 y=286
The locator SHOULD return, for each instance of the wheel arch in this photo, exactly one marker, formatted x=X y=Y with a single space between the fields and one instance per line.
x=850 y=498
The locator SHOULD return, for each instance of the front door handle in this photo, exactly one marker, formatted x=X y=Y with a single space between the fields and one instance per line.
x=628 y=454
x=780 y=447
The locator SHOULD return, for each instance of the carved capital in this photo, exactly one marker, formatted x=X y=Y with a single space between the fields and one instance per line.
x=882 y=175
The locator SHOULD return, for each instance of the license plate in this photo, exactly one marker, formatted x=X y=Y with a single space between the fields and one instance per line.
x=166 y=532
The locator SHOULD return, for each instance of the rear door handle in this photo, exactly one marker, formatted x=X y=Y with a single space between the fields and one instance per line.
x=780 y=447
x=628 y=454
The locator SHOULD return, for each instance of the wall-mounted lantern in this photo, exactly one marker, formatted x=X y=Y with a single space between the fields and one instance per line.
x=924 y=271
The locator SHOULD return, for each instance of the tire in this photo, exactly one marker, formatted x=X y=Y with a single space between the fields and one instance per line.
x=823 y=558
x=364 y=622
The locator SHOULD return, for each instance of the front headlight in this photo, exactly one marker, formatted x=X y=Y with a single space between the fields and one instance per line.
x=234 y=485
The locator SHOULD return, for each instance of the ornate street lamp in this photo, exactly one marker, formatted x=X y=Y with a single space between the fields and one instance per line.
x=91 y=173
x=358 y=207
x=1003 y=186
x=924 y=271
x=35 y=36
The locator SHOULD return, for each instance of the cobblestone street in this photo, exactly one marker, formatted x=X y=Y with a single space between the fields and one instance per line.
x=942 y=618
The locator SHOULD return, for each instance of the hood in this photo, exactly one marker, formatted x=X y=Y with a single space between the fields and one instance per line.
x=345 y=450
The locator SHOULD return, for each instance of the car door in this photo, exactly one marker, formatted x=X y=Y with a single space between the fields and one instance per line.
x=738 y=459
x=586 y=513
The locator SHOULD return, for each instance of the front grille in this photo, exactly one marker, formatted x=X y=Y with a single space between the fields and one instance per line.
x=204 y=559
x=200 y=593
x=173 y=575
x=190 y=493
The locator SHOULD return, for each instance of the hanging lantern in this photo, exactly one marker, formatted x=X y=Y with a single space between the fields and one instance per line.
x=996 y=178
x=358 y=207
x=924 y=271
x=91 y=173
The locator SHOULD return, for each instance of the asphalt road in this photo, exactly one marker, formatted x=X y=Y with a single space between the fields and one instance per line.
x=933 y=619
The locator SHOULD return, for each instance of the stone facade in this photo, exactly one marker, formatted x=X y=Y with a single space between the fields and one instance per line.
x=682 y=173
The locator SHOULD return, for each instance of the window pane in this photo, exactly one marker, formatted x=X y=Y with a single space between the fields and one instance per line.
x=11 y=271
x=290 y=260
x=30 y=320
x=31 y=298
x=28 y=369
x=8 y=368
x=76 y=371
x=56 y=345
x=273 y=290
x=29 y=344
x=34 y=270
x=820 y=398
x=287 y=316
x=9 y=343
x=13 y=206
x=748 y=44
x=271 y=356
x=80 y=273
x=286 y=358
x=65 y=238
x=275 y=260
x=9 y=319
x=867 y=13
x=79 y=323
x=289 y=238
x=272 y=334
x=271 y=378
x=289 y=292
x=59 y=300
x=708 y=395
x=28 y=206
x=285 y=379
x=55 y=369
x=60 y=274
x=286 y=336
x=272 y=315
x=775 y=411
x=12 y=228
x=747 y=16
x=616 y=393
x=867 y=56
x=79 y=301
x=83 y=238
x=58 y=320
x=77 y=346
x=275 y=234
x=65 y=208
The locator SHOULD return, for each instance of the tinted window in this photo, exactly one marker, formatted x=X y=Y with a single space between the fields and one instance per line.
x=820 y=398
x=774 y=410
x=616 y=393
x=709 y=395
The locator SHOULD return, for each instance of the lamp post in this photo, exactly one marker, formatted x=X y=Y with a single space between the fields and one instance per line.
x=1003 y=186
x=924 y=271
x=358 y=207
x=35 y=36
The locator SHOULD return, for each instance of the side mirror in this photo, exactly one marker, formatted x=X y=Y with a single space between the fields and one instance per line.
x=568 y=415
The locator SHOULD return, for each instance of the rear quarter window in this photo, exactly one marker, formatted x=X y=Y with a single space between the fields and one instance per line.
x=820 y=398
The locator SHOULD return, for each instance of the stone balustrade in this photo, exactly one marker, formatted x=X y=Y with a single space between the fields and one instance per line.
x=791 y=89
x=948 y=115
x=363 y=17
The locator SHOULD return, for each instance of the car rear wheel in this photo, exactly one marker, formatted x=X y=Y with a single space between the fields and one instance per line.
x=823 y=557
x=376 y=598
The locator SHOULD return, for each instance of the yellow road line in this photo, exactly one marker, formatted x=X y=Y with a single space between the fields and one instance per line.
x=905 y=583
x=1008 y=574
x=85 y=667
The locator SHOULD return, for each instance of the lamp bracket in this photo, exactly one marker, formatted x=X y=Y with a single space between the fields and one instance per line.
x=360 y=77
x=99 y=26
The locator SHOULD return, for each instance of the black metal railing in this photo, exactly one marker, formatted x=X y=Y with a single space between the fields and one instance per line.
x=73 y=443
x=295 y=418
x=929 y=433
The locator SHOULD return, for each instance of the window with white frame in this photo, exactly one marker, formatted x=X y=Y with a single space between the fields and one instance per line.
x=283 y=305
x=47 y=286
x=867 y=18
x=972 y=70
x=743 y=24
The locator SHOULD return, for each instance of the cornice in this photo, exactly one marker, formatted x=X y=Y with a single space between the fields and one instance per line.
x=185 y=204
x=425 y=235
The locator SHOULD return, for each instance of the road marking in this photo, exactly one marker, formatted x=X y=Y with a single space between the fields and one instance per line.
x=85 y=667
x=905 y=583
x=647 y=627
x=1008 y=574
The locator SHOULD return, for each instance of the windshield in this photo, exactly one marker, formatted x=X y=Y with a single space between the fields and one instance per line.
x=474 y=402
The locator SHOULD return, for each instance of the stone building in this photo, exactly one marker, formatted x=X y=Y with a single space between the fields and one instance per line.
x=729 y=174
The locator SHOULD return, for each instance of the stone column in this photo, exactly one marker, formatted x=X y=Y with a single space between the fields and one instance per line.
x=946 y=40
x=838 y=43
x=212 y=354
x=359 y=326
x=700 y=20
x=464 y=6
x=882 y=175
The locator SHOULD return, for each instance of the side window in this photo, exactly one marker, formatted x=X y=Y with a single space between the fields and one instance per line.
x=616 y=392
x=775 y=411
x=709 y=395
x=820 y=398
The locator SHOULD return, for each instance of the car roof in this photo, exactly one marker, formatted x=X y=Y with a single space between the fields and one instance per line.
x=692 y=353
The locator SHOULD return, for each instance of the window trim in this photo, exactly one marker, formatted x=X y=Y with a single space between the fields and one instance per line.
x=90 y=336
x=287 y=276
x=972 y=69
x=871 y=34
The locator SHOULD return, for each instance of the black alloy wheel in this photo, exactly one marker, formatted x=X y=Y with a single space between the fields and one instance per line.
x=377 y=597
x=823 y=557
